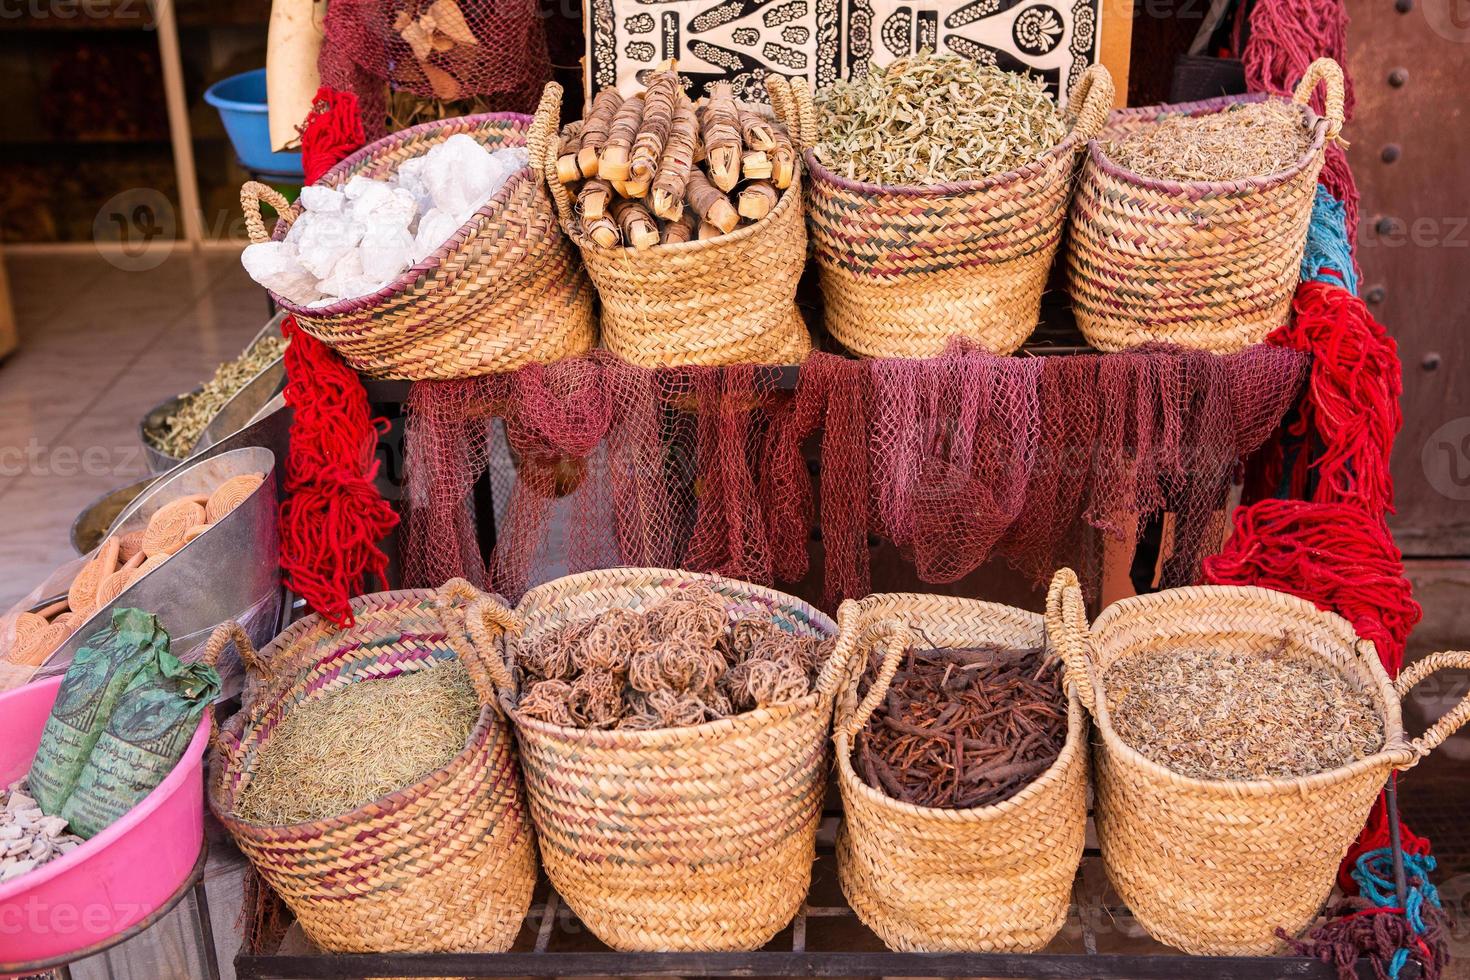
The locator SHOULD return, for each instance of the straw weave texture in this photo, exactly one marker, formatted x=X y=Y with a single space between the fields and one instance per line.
x=904 y=269
x=446 y=864
x=726 y=300
x=1214 y=867
x=926 y=879
x=505 y=291
x=1205 y=264
x=697 y=838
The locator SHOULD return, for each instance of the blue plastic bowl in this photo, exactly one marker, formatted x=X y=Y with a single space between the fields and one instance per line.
x=241 y=104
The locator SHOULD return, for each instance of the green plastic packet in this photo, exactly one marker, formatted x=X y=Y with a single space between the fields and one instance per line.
x=95 y=680
x=152 y=724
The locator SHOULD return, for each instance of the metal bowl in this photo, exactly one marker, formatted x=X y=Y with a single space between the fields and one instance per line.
x=229 y=569
x=245 y=406
x=90 y=527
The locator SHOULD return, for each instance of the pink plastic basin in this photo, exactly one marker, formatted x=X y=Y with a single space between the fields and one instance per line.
x=113 y=881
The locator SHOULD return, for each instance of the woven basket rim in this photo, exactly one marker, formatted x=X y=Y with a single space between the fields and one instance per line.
x=431 y=262
x=630 y=576
x=1396 y=750
x=694 y=246
x=951 y=188
x=484 y=724
x=1316 y=124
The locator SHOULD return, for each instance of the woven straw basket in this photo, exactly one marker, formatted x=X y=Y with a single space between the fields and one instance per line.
x=444 y=865
x=726 y=300
x=1215 y=867
x=504 y=291
x=698 y=838
x=1206 y=264
x=925 y=879
x=905 y=268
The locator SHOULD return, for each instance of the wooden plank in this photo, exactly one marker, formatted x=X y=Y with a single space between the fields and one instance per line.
x=1410 y=142
x=9 y=335
x=180 y=134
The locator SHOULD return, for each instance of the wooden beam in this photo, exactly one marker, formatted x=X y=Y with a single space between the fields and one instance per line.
x=180 y=134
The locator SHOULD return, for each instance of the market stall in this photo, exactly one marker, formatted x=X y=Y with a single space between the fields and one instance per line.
x=532 y=576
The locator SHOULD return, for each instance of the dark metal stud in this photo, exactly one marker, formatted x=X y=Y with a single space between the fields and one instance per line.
x=1376 y=295
x=1430 y=361
x=1403 y=6
x=1390 y=153
x=1398 y=77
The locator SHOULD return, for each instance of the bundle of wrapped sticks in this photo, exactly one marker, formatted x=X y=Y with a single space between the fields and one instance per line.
x=963 y=727
x=658 y=169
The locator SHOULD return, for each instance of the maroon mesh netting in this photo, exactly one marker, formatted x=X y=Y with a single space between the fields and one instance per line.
x=594 y=462
x=450 y=50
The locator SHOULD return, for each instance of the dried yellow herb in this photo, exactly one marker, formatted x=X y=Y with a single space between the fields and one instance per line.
x=933 y=118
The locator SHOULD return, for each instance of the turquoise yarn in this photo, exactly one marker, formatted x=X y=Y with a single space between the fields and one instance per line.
x=1374 y=875
x=1329 y=254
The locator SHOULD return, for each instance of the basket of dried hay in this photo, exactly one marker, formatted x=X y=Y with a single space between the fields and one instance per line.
x=938 y=188
x=1190 y=220
x=1243 y=735
x=673 y=732
x=371 y=778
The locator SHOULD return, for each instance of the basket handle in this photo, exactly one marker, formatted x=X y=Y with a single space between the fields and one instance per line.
x=232 y=632
x=1328 y=72
x=896 y=639
x=224 y=634
x=1066 y=630
x=252 y=192
x=488 y=620
x=1451 y=721
x=835 y=670
x=791 y=98
x=1091 y=101
x=543 y=145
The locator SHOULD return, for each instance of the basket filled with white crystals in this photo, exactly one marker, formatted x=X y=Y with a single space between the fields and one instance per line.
x=433 y=253
x=1243 y=735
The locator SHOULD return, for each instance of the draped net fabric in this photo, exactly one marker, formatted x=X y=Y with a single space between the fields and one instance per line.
x=503 y=59
x=956 y=459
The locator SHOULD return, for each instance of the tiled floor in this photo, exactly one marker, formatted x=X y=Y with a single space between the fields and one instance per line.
x=100 y=346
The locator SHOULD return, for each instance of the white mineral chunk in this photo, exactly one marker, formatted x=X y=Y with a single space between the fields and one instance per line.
x=435 y=228
x=19 y=801
x=10 y=831
x=387 y=249
x=277 y=266
x=345 y=271
x=321 y=198
x=51 y=826
x=40 y=849
x=326 y=240
x=367 y=195
x=458 y=173
x=14 y=868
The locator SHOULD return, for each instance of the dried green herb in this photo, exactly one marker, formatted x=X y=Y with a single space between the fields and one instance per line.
x=932 y=118
x=178 y=432
x=1272 y=714
x=1248 y=140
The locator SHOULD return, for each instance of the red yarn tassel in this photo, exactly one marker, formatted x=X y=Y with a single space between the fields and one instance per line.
x=331 y=132
x=1352 y=401
x=333 y=516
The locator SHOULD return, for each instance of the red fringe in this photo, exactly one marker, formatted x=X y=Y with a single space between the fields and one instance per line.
x=333 y=516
